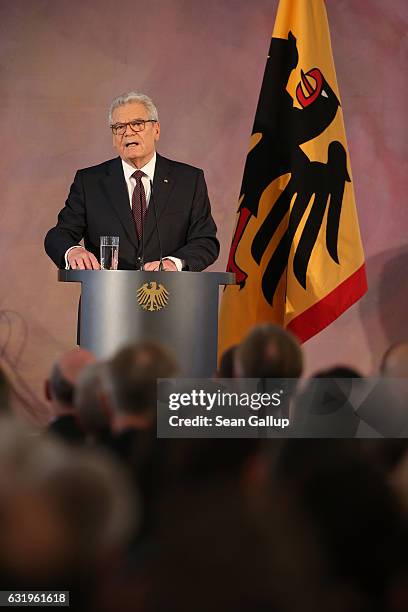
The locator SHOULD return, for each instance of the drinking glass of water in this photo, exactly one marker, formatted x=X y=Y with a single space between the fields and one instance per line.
x=109 y=252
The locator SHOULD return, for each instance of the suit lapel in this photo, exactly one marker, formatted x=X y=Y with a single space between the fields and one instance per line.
x=114 y=185
x=163 y=183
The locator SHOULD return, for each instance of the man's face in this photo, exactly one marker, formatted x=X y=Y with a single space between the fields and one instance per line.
x=135 y=148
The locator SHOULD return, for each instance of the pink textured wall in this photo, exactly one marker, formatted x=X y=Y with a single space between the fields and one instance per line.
x=202 y=63
x=370 y=48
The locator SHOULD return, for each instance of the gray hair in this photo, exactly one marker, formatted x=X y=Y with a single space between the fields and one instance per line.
x=133 y=374
x=133 y=96
x=88 y=398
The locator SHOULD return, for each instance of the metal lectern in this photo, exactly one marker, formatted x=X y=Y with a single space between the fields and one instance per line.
x=177 y=309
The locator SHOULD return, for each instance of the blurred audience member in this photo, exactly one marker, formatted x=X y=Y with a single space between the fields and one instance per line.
x=324 y=408
x=394 y=363
x=66 y=516
x=132 y=393
x=339 y=371
x=133 y=374
x=269 y=351
x=387 y=454
x=60 y=388
x=91 y=403
x=5 y=392
x=399 y=477
x=351 y=513
x=206 y=525
x=394 y=370
x=226 y=367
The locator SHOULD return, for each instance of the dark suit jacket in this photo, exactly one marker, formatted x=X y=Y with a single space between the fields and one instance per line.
x=98 y=205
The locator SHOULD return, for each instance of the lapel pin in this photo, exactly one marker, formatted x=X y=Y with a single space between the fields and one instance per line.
x=165 y=181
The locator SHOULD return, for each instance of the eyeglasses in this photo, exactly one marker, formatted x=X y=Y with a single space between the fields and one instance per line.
x=137 y=125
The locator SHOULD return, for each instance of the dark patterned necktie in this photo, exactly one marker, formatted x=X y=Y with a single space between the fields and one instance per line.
x=139 y=205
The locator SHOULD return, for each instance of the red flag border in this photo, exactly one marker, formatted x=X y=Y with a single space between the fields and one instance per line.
x=325 y=311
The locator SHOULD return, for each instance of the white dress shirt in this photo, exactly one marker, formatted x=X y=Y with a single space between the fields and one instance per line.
x=148 y=170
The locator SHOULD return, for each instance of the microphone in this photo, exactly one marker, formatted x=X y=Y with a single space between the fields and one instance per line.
x=152 y=202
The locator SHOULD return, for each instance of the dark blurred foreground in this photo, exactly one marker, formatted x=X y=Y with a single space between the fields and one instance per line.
x=99 y=506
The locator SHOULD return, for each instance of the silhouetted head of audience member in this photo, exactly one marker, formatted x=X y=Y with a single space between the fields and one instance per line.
x=206 y=527
x=194 y=461
x=339 y=371
x=133 y=374
x=323 y=408
x=386 y=453
x=91 y=403
x=60 y=390
x=66 y=514
x=269 y=351
x=5 y=392
x=60 y=386
x=394 y=372
x=226 y=366
x=394 y=363
x=351 y=512
x=399 y=474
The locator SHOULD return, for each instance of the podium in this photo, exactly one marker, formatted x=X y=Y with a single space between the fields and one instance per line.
x=177 y=309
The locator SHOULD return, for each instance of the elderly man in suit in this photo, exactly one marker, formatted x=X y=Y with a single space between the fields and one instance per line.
x=139 y=196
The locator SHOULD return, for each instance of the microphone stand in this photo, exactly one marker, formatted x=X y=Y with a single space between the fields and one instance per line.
x=157 y=226
x=141 y=259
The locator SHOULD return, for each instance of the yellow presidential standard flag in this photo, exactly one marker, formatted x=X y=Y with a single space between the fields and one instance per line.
x=296 y=249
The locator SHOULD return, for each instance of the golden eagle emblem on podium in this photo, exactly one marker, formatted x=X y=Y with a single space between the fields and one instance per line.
x=152 y=297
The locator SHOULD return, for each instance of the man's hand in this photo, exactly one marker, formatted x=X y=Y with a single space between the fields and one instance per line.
x=81 y=259
x=153 y=266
